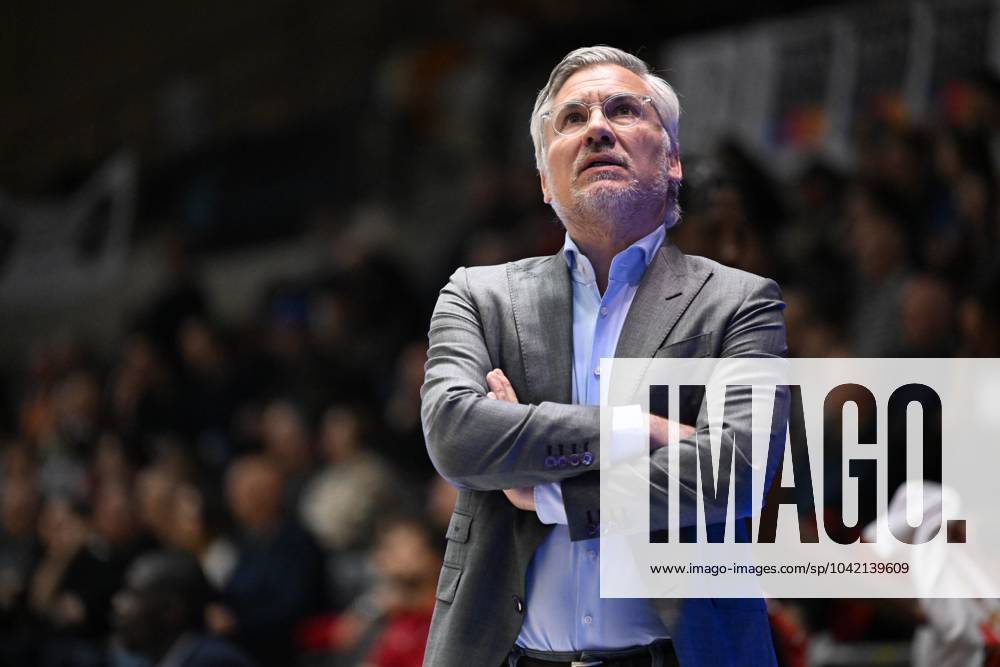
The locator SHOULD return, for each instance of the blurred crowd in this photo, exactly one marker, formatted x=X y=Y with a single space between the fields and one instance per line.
x=284 y=455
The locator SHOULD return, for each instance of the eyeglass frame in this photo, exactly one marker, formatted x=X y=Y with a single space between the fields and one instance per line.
x=644 y=99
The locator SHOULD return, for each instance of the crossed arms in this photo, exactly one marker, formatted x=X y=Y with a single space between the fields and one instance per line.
x=479 y=436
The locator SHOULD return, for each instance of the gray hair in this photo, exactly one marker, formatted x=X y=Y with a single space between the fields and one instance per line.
x=664 y=98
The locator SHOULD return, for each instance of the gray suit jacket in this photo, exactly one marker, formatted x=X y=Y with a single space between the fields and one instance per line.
x=518 y=317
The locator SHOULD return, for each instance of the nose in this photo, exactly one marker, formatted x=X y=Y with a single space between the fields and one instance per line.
x=599 y=130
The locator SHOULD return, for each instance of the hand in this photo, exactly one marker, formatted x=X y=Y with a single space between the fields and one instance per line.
x=522 y=499
x=659 y=432
x=500 y=389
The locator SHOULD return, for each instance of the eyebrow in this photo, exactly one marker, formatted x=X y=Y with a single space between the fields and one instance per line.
x=602 y=100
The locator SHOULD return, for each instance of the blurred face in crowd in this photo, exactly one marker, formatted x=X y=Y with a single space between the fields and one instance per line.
x=253 y=490
x=198 y=346
x=189 y=529
x=154 y=488
x=60 y=528
x=19 y=501
x=607 y=175
x=285 y=435
x=341 y=434
x=113 y=518
x=926 y=308
x=409 y=564
x=77 y=403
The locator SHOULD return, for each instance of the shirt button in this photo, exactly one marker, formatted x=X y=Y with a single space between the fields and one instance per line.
x=591 y=554
x=604 y=311
x=588 y=619
x=597 y=371
x=518 y=605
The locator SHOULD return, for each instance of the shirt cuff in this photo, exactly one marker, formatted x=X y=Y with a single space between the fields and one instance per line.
x=549 y=503
x=629 y=433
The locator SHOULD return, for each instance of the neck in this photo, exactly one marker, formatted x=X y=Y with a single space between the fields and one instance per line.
x=600 y=244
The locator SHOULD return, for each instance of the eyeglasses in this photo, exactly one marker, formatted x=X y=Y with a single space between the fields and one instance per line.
x=621 y=110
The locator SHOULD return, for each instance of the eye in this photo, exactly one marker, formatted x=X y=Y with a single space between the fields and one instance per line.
x=570 y=117
x=626 y=109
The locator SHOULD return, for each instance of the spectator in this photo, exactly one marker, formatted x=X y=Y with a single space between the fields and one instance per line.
x=979 y=317
x=278 y=578
x=404 y=435
x=927 y=318
x=878 y=250
x=72 y=586
x=154 y=489
x=19 y=553
x=355 y=487
x=159 y=614
x=286 y=438
x=198 y=530
x=388 y=625
x=343 y=502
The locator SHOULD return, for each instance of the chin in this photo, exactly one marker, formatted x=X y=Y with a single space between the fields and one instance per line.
x=607 y=194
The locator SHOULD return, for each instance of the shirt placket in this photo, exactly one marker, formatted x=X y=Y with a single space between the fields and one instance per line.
x=586 y=554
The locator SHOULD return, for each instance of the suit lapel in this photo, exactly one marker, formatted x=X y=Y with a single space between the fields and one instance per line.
x=665 y=292
x=542 y=300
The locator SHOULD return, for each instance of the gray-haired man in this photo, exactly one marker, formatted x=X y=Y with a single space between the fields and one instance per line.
x=512 y=387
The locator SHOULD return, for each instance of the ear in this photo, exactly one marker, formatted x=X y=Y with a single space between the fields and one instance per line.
x=675 y=172
x=546 y=197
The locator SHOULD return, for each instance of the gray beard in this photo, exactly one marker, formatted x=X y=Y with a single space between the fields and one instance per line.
x=605 y=211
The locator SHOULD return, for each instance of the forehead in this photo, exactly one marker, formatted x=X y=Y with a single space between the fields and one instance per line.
x=594 y=83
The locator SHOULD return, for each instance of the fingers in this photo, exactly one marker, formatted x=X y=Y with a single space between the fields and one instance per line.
x=522 y=499
x=660 y=431
x=508 y=388
x=500 y=387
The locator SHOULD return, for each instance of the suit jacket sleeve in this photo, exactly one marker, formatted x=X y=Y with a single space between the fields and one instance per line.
x=485 y=444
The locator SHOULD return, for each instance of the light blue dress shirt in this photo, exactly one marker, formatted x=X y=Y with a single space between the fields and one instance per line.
x=564 y=610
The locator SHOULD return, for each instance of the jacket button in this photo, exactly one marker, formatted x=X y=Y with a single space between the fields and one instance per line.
x=592 y=529
x=550 y=462
x=518 y=605
x=587 y=458
x=574 y=460
x=563 y=461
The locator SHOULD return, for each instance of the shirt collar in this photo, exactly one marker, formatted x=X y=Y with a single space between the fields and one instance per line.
x=629 y=265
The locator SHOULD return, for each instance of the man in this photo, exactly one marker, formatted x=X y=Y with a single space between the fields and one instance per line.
x=278 y=578
x=159 y=614
x=511 y=390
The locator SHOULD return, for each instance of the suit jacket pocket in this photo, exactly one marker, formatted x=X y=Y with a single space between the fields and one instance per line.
x=448 y=583
x=458 y=527
x=459 y=530
x=694 y=346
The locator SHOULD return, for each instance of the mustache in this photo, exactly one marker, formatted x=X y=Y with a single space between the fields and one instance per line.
x=581 y=160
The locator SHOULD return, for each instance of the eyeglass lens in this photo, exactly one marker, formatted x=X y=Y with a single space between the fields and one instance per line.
x=622 y=110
